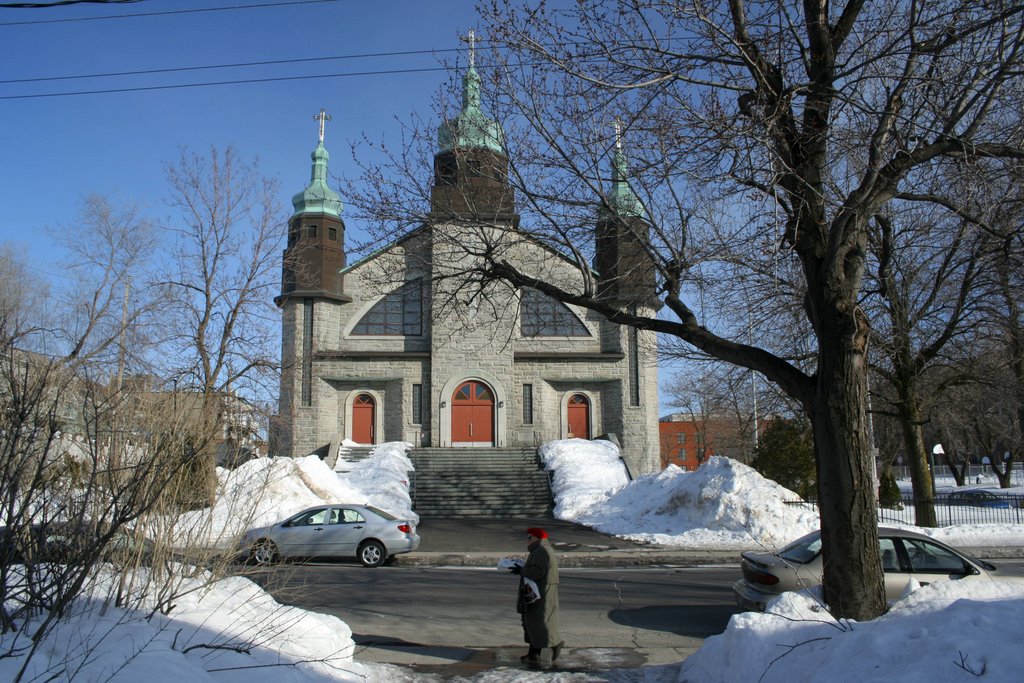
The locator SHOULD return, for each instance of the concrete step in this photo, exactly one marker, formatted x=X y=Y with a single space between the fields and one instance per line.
x=470 y=482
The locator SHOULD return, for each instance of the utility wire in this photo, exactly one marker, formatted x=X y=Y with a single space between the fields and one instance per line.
x=145 y=14
x=216 y=83
x=182 y=69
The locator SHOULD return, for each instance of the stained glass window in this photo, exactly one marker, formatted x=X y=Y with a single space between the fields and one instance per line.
x=398 y=313
x=542 y=316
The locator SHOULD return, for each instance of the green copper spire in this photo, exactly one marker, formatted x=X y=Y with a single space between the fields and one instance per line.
x=471 y=128
x=621 y=198
x=318 y=197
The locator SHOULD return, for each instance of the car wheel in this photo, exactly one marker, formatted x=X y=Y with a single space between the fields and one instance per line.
x=264 y=552
x=372 y=554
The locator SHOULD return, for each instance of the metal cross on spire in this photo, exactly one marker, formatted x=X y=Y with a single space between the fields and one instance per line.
x=618 y=132
x=472 y=40
x=322 y=117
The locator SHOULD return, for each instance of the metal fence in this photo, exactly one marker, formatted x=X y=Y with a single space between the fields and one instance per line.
x=947 y=515
x=976 y=474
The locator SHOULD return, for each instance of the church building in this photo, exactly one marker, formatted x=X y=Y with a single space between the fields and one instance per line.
x=403 y=345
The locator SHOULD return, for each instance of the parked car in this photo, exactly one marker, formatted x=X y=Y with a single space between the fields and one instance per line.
x=906 y=555
x=366 y=533
x=65 y=542
x=977 y=498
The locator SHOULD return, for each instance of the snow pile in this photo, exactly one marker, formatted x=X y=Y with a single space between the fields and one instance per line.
x=231 y=627
x=584 y=474
x=797 y=641
x=266 y=490
x=384 y=479
x=724 y=505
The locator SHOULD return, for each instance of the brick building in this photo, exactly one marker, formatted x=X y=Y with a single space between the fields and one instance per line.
x=387 y=348
x=687 y=440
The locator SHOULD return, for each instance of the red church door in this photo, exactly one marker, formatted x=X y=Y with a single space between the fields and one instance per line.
x=579 y=417
x=473 y=415
x=363 y=417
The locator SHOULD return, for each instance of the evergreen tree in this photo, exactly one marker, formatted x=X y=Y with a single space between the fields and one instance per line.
x=889 y=495
x=785 y=454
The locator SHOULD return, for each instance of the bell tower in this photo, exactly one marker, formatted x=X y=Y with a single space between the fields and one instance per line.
x=625 y=268
x=471 y=165
x=312 y=293
x=315 y=254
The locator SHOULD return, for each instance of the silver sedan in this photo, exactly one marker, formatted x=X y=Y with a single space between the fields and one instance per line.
x=366 y=533
x=905 y=556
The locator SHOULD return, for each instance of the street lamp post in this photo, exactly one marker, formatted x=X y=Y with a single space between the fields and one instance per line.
x=936 y=450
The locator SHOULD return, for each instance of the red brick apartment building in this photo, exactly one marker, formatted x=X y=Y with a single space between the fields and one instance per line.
x=688 y=440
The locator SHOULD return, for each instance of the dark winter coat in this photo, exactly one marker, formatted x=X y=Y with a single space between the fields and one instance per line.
x=540 y=618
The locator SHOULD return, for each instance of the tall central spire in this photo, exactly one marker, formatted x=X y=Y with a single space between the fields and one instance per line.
x=471 y=128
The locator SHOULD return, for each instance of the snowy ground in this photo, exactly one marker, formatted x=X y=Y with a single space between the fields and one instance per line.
x=233 y=631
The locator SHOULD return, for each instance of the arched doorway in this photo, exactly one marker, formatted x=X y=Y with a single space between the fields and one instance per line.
x=578 y=416
x=473 y=415
x=364 y=410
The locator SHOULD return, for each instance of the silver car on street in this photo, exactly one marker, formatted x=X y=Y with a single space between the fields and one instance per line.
x=366 y=533
x=906 y=555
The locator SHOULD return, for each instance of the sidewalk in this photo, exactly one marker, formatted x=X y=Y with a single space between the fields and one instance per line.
x=474 y=542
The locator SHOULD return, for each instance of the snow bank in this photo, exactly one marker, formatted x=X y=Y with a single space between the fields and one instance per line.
x=230 y=627
x=801 y=642
x=384 y=479
x=724 y=505
x=266 y=490
x=584 y=474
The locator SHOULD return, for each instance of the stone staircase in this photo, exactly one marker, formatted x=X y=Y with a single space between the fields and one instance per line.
x=479 y=482
x=348 y=456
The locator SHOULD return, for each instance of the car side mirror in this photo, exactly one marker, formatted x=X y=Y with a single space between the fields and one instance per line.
x=970 y=570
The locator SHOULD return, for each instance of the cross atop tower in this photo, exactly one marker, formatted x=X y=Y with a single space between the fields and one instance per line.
x=618 y=132
x=322 y=117
x=472 y=40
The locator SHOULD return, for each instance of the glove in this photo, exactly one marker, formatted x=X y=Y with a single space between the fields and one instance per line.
x=516 y=569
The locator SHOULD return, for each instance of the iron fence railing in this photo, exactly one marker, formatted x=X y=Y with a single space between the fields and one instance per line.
x=976 y=474
x=945 y=513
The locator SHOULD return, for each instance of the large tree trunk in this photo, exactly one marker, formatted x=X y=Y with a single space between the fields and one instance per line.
x=849 y=525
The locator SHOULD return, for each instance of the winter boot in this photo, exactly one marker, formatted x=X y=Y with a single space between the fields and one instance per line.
x=532 y=656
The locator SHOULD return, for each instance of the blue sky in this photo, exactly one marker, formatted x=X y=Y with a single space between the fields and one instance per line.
x=57 y=149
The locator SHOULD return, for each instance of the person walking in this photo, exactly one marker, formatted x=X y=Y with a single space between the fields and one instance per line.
x=539 y=613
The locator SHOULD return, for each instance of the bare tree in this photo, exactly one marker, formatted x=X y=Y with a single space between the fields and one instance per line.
x=760 y=133
x=729 y=403
x=225 y=271
x=927 y=276
x=222 y=327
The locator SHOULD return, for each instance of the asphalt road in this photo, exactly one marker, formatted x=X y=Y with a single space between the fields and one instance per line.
x=460 y=620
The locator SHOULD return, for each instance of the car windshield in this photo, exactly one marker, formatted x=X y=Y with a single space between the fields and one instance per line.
x=802 y=550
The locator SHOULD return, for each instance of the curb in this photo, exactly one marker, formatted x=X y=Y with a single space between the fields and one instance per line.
x=631 y=559
x=610 y=559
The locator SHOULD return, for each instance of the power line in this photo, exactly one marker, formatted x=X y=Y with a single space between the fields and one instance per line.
x=217 y=83
x=145 y=72
x=147 y=14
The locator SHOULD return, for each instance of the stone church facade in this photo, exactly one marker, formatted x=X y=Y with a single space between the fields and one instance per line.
x=400 y=346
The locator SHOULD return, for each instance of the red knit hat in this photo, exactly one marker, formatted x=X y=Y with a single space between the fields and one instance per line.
x=537 y=531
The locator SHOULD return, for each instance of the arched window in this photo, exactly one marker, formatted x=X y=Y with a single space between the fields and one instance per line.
x=398 y=313
x=542 y=316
